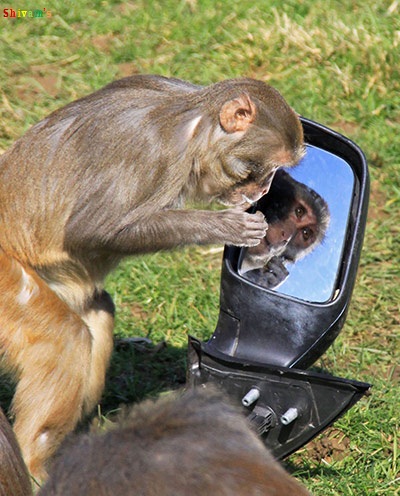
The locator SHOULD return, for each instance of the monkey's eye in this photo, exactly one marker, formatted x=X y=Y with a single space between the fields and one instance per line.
x=307 y=233
x=254 y=166
x=300 y=211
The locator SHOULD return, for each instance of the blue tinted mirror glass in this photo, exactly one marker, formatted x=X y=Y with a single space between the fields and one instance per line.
x=304 y=269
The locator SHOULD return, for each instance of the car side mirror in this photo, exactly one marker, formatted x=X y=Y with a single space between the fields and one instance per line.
x=272 y=327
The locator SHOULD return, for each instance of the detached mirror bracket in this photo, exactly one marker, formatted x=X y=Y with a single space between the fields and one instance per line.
x=264 y=339
x=287 y=407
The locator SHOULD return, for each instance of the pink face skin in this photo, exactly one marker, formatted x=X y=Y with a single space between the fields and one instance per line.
x=299 y=229
x=251 y=192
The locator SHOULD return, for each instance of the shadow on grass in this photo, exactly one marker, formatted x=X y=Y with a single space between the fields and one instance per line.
x=138 y=371
x=309 y=470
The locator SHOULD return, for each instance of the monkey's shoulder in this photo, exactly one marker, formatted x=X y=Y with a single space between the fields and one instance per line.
x=152 y=82
x=132 y=92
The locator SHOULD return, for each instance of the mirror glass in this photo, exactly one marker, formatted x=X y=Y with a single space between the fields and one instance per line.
x=293 y=259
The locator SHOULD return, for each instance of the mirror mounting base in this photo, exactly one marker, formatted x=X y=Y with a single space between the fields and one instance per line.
x=292 y=407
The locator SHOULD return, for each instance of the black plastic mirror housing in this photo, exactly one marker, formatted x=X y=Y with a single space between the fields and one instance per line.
x=264 y=338
x=266 y=326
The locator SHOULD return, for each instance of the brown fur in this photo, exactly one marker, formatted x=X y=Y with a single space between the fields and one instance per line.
x=14 y=478
x=182 y=444
x=102 y=178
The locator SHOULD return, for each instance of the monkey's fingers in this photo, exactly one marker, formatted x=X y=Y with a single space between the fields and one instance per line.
x=259 y=222
x=255 y=229
x=239 y=228
x=275 y=271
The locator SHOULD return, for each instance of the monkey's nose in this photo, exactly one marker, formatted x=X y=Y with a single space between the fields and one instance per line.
x=264 y=191
x=266 y=188
x=286 y=237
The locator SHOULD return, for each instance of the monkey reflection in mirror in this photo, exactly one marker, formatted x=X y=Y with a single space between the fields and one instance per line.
x=298 y=218
x=183 y=444
x=103 y=178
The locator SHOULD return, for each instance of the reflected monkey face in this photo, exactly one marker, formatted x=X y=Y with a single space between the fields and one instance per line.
x=299 y=229
x=297 y=221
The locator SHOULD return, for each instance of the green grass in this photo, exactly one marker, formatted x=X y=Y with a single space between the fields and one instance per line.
x=335 y=62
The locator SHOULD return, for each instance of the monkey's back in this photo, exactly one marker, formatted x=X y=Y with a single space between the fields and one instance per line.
x=96 y=158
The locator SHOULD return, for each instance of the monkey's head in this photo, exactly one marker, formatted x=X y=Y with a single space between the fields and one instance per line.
x=298 y=217
x=256 y=133
x=312 y=221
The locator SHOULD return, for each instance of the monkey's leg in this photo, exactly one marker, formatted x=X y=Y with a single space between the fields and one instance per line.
x=100 y=319
x=49 y=348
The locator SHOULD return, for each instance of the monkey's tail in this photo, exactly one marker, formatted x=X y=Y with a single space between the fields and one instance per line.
x=14 y=476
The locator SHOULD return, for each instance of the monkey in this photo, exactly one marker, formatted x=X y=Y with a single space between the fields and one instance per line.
x=298 y=218
x=193 y=442
x=190 y=441
x=105 y=177
x=14 y=477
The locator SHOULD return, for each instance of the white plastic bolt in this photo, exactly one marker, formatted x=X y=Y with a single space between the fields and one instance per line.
x=251 y=397
x=289 y=416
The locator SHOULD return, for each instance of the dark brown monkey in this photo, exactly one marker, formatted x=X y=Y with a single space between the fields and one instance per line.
x=14 y=478
x=298 y=218
x=182 y=444
x=102 y=178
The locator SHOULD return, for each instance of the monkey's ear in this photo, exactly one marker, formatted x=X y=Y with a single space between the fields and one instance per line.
x=237 y=114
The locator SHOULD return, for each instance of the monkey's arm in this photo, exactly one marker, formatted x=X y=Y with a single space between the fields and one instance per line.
x=168 y=229
x=172 y=228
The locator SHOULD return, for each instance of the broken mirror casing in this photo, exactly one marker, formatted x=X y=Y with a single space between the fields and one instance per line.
x=266 y=337
x=288 y=407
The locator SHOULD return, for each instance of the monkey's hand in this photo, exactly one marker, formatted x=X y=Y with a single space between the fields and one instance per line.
x=275 y=272
x=240 y=228
x=270 y=276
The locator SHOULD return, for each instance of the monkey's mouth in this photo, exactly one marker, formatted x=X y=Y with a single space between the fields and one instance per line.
x=228 y=201
x=274 y=247
x=245 y=199
x=235 y=200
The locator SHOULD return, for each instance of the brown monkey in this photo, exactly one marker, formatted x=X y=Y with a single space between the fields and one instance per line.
x=102 y=178
x=298 y=218
x=14 y=477
x=193 y=442
x=179 y=445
